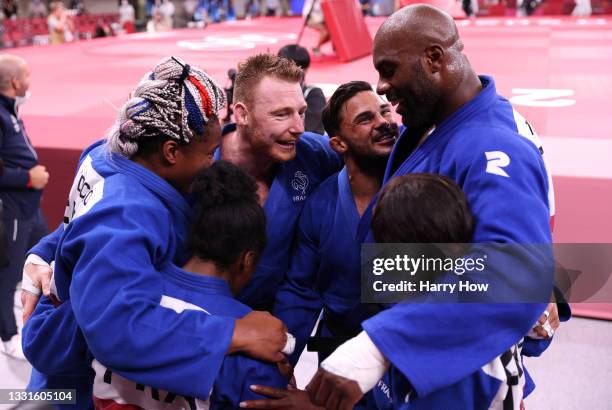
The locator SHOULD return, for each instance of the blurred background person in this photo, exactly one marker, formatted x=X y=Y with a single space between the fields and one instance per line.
x=150 y=6
x=61 y=25
x=102 y=29
x=272 y=8
x=277 y=8
x=316 y=21
x=167 y=10
x=582 y=9
x=200 y=16
x=190 y=6
x=127 y=16
x=470 y=7
x=526 y=7
x=315 y=99
x=37 y=8
x=285 y=8
x=4 y=261
x=9 y=9
x=229 y=95
x=241 y=9
x=21 y=185
x=78 y=7
x=157 y=23
x=366 y=7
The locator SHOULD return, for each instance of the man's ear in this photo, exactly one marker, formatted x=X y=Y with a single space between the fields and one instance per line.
x=241 y=113
x=242 y=270
x=248 y=262
x=15 y=83
x=337 y=144
x=433 y=59
x=169 y=151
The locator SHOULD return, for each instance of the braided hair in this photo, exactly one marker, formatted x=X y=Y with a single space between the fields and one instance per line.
x=174 y=101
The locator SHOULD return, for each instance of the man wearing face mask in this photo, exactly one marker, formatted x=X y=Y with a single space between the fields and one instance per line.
x=21 y=186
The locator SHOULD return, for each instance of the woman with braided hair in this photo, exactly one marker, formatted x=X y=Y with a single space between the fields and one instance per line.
x=127 y=217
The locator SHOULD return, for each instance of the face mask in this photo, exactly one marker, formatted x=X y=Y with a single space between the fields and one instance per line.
x=19 y=100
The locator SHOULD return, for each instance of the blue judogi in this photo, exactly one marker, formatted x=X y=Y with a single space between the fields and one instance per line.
x=122 y=224
x=293 y=183
x=183 y=292
x=456 y=355
x=325 y=267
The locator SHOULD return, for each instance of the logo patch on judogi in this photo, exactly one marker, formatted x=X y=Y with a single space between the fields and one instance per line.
x=300 y=184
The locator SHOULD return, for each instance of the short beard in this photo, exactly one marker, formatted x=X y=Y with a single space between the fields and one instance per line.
x=253 y=136
x=426 y=96
x=372 y=165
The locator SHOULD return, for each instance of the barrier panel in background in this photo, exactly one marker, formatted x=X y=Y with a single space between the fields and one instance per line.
x=348 y=30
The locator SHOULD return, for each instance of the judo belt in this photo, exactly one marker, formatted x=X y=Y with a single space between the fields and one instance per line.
x=338 y=329
x=338 y=333
x=512 y=364
x=324 y=344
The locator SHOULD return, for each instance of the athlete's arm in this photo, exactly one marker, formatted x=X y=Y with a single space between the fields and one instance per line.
x=37 y=272
x=436 y=345
x=116 y=292
x=298 y=303
x=52 y=343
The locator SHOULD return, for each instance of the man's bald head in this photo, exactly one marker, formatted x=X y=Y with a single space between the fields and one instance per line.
x=418 y=56
x=418 y=26
x=11 y=68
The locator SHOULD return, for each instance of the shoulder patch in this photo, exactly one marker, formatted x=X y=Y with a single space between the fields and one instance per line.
x=87 y=189
x=496 y=161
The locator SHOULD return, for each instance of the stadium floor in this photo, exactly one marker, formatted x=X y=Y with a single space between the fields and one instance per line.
x=557 y=72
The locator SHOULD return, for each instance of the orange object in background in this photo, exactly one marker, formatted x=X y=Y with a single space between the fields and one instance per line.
x=347 y=29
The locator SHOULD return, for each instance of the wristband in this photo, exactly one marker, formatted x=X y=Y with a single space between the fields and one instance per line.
x=26 y=282
x=289 y=345
x=358 y=359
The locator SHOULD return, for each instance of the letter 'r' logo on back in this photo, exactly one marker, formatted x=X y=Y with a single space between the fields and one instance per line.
x=496 y=160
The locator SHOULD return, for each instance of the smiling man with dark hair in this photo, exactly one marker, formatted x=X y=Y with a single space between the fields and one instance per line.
x=324 y=270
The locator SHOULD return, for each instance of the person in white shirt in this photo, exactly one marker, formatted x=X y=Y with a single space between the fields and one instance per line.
x=157 y=23
x=167 y=10
x=126 y=12
x=37 y=9
x=61 y=25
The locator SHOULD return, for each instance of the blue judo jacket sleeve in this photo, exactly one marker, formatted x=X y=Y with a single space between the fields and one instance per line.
x=298 y=303
x=47 y=334
x=112 y=252
x=435 y=344
x=46 y=247
x=236 y=376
